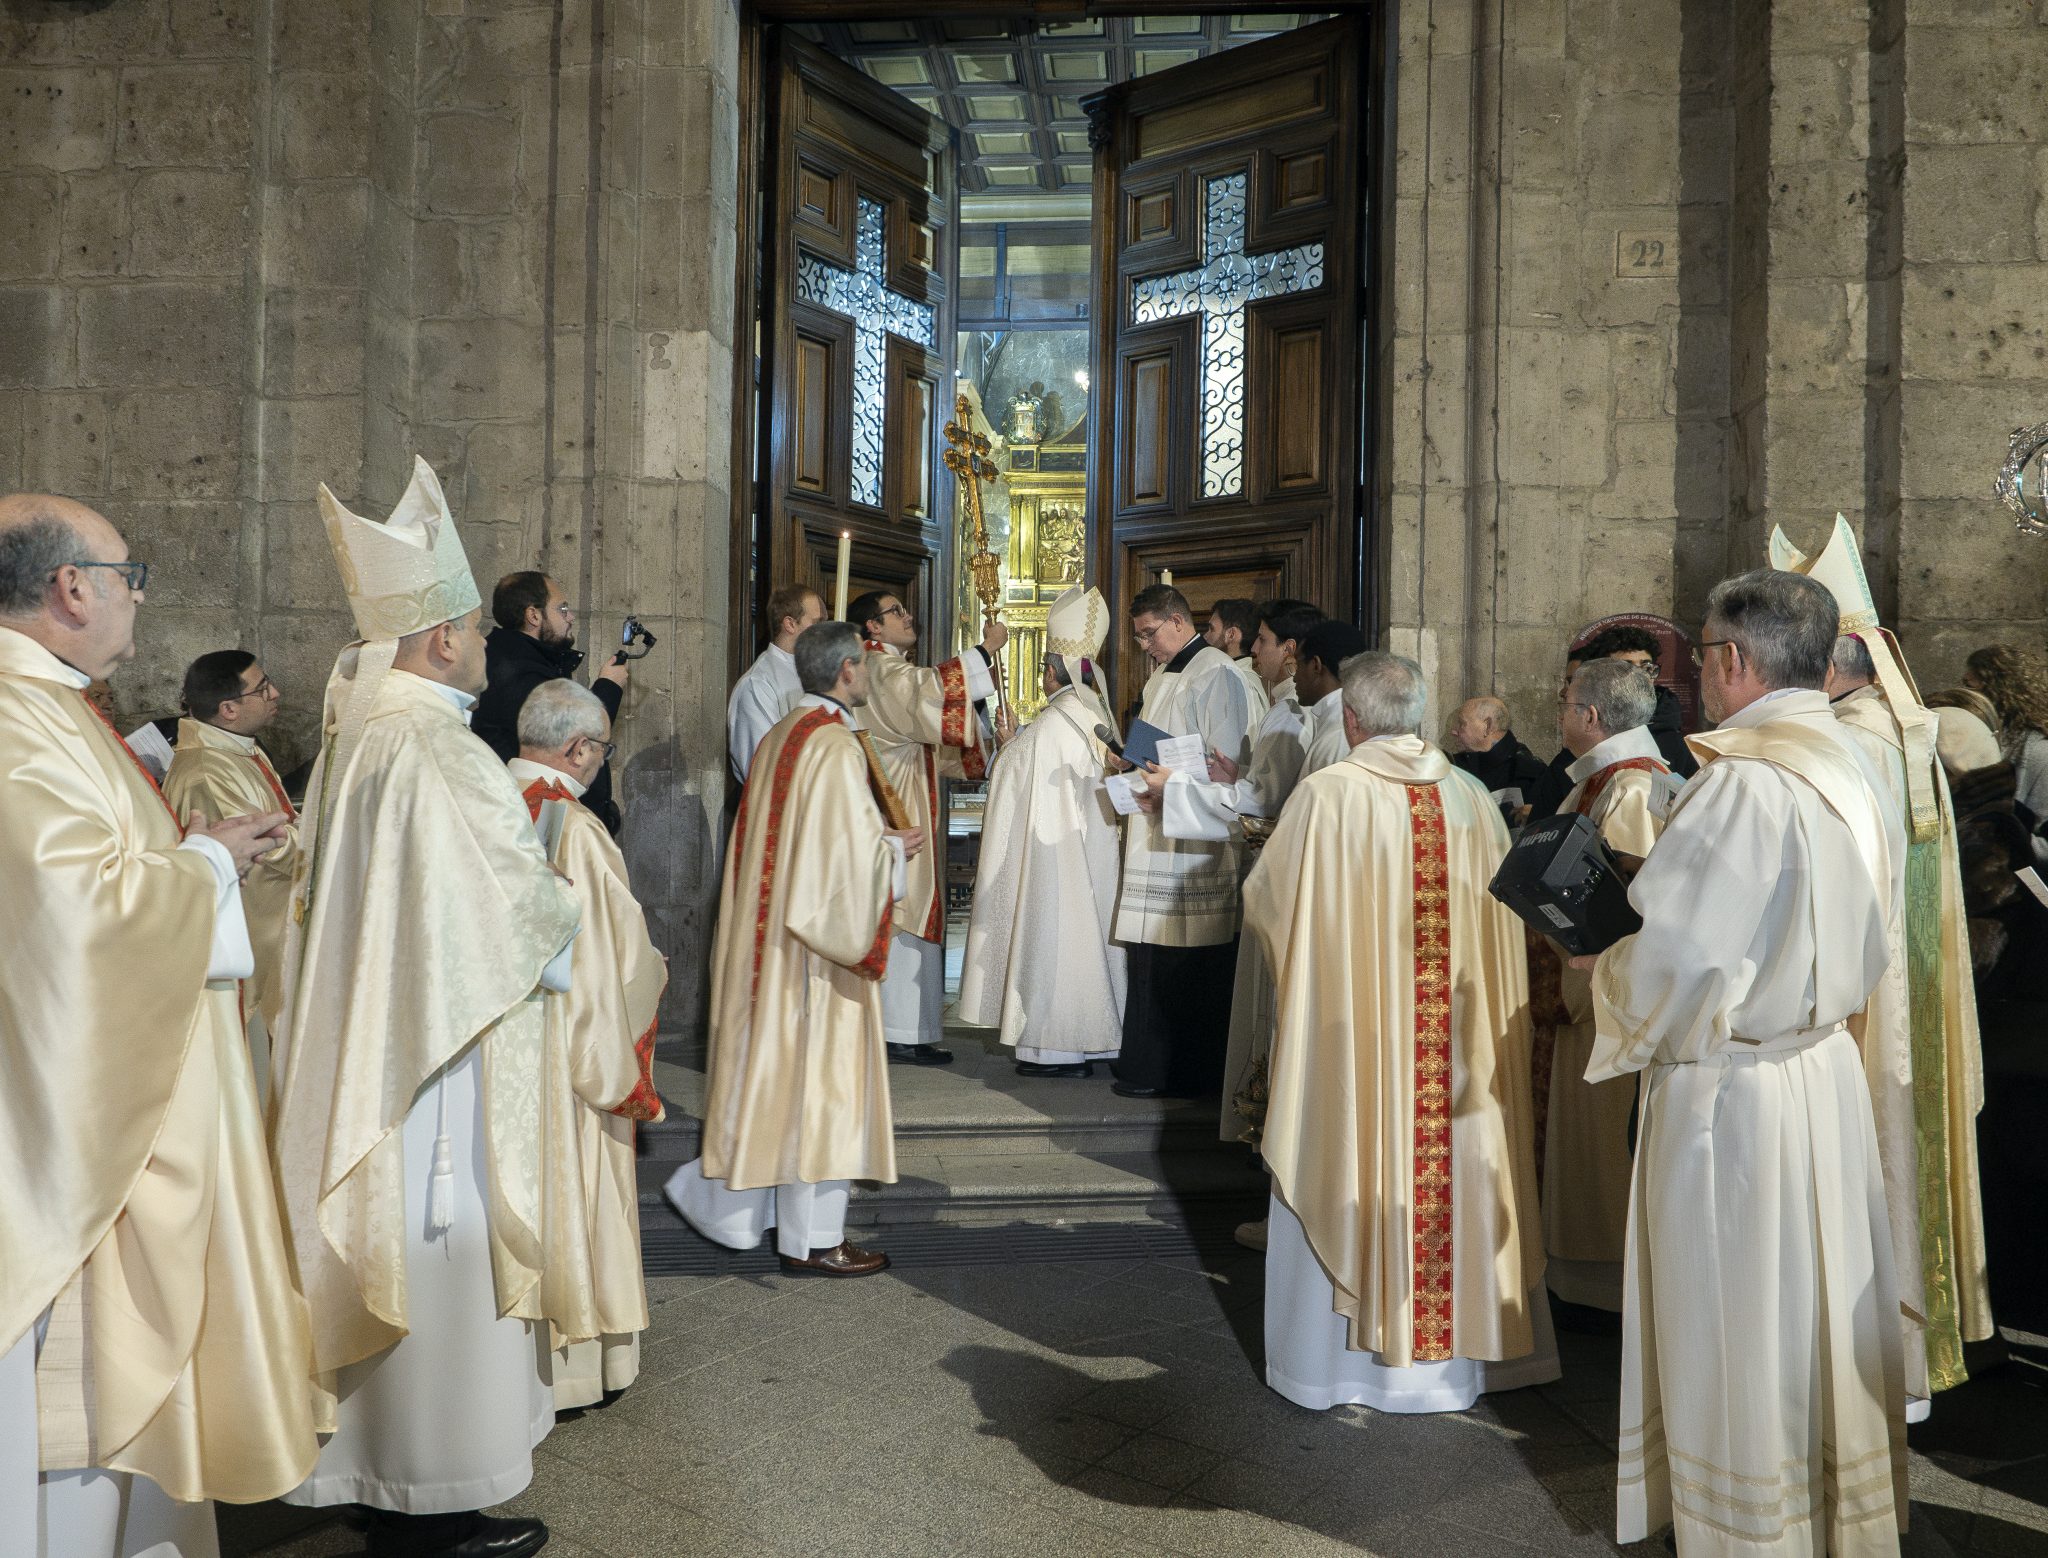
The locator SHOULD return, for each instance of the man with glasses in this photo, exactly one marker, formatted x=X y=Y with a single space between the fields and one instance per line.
x=217 y=771
x=534 y=642
x=597 y=1080
x=925 y=724
x=1621 y=781
x=1177 y=908
x=131 y=1139
x=1763 y=1394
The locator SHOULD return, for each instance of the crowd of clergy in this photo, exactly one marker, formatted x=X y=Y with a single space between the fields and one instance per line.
x=322 y=1114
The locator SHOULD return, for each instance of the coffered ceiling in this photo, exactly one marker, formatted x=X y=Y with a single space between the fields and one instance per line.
x=1013 y=90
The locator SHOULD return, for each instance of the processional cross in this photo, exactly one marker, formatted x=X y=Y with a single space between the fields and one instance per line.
x=1227 y=280
x=967 y=458
x=861 y=295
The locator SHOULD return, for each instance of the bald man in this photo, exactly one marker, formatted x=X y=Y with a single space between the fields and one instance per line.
x=129 y=1110
x=1489 y=752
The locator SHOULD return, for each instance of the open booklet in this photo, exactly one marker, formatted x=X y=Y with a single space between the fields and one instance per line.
x=1146 y=743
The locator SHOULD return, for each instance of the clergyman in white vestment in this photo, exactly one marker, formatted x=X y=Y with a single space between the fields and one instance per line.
x=797 y=1102
x=1762 y=1392
x=152 y=1348
x=1622 y=783
x=1039 y=963
x=1404 y=1265
x=770 y=688
x=1177 y=904
x=408 y=1102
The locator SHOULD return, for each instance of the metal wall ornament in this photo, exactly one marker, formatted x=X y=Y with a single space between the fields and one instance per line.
x=1228 y=280
x=876 y=312
x=2027 y=453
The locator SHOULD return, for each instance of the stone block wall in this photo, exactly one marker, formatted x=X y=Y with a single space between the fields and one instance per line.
x=252 y=247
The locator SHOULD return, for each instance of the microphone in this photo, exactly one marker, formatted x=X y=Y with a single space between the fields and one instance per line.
x=1108 y=738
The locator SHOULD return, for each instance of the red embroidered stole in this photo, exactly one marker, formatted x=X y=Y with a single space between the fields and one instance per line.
x=540 y=792
x=148 y=778
x=284 y=802
x=1432 y=920
x=1591 y=790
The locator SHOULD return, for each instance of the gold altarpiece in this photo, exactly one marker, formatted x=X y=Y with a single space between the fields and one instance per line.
x=1046 y=487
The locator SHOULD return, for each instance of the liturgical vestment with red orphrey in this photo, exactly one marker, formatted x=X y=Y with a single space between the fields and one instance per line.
x=922 y=726
x=597 y=1084
x=1398 y=1123
x=798 y=1077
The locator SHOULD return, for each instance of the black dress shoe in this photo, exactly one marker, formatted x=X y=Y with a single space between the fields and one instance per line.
x=1128 y=1090
x=1037 y=1068
x=469 y=1535
x=919 y=1055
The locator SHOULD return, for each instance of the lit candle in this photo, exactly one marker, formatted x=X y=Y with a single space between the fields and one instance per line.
x=845 y=561
x=1166 y=577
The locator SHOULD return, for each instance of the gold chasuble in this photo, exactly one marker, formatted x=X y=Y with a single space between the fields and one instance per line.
x=215 y=774
x=433 y=912
x=922 y=726
x=598 y=1083
x=139 y=1201
x=1398 y=1124
x=799 y=1085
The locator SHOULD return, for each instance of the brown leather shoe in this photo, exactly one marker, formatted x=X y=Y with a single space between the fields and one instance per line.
x=846 y=1259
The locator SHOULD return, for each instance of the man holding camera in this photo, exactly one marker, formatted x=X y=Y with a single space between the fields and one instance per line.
x=535 y=642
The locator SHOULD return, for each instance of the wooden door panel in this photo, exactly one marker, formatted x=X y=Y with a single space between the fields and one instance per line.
x=857 y=334
x=1229 y=342
x=1147 y=407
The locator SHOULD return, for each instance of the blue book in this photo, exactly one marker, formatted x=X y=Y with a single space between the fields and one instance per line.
x=1141 y=743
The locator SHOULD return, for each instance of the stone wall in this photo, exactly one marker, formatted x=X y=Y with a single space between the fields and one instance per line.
x=1848 y=202
x=253 y=247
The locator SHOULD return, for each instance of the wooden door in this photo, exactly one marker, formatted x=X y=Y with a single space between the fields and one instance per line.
x=858 y=337
x=1229 y=350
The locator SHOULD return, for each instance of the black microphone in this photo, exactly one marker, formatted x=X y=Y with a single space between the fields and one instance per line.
x=1108 y=738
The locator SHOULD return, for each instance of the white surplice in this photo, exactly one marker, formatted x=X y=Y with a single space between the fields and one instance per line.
x=768 y=690
x=1325 y=738
x=1762 y=1402
x=1257 y=699
x=1200 y=809
x=1039 y=963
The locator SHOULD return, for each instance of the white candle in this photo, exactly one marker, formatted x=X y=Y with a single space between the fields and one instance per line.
x=1166 y=577
x=845 y=561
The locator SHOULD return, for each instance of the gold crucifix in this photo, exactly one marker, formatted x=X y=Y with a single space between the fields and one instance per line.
x=967 y=458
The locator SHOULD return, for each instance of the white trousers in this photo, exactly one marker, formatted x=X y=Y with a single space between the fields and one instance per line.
x=804 y=1217
x=913 y=990
x=81 y=1514
x=446 y=1418
x=1310 y=1362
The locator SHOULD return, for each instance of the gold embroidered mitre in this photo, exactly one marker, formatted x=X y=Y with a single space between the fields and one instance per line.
x=1839 y=566
x=407 y=574
x=1075 y=626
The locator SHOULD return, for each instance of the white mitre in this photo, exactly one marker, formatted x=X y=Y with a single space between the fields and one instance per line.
x=407 y=574
x=1840 y=567
x=1075 y=627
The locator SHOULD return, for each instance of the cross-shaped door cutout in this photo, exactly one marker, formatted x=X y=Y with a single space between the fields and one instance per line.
x=1228 y=280
x=876 y=312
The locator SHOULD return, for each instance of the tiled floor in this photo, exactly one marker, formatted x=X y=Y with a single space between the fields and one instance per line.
x=1058 y=1411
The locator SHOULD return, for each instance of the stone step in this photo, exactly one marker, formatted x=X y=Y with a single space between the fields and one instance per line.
x=976 y=1143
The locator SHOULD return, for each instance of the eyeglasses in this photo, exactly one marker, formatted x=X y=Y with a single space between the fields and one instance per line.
x=134 y=575
x=898 y=610
x=1699 y=650
x=261 y=689
x=610 y=748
